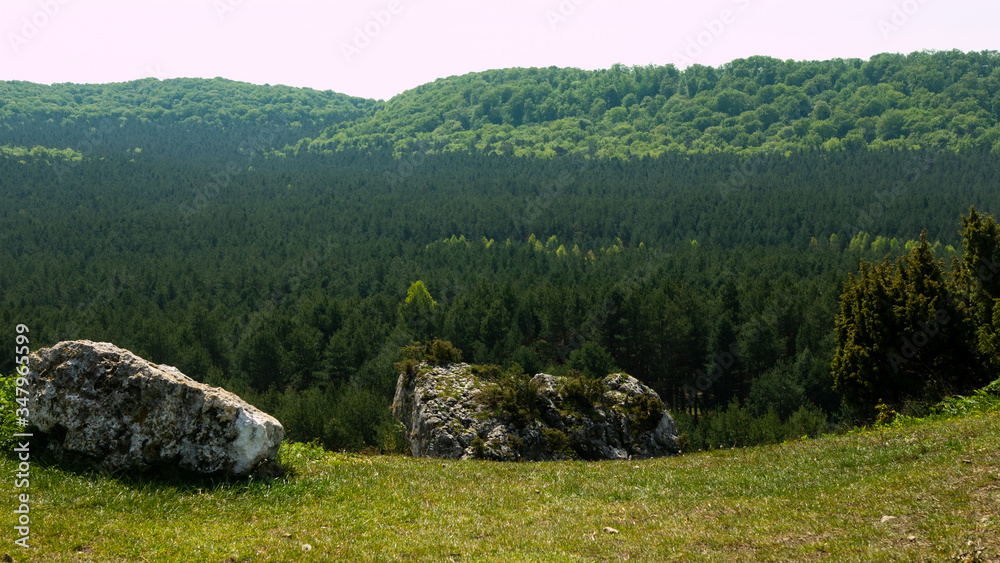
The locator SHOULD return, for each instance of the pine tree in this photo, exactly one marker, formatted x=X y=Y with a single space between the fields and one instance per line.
x=977 y=278
x=417 y=311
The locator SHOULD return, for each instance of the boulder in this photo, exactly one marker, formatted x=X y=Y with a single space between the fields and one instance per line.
x=105 y=404
x=447 y=413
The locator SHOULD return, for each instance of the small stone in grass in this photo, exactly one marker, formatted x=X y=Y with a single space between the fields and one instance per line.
x=911 y=538
x=887 y=518
x=610 y=530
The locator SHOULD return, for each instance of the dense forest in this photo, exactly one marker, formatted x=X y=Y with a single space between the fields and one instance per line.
x=704 y=230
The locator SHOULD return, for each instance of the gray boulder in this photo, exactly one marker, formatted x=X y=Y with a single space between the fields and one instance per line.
x=103 y=403
x=447 y=412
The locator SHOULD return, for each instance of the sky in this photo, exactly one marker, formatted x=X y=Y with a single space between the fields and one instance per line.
x=379 y=48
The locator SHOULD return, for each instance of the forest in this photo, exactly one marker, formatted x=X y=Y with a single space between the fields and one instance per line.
x=752 y=241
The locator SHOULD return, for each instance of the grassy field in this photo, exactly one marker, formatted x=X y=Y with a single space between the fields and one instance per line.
x=922 y=490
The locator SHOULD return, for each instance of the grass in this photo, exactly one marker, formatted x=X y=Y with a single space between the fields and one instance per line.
x=812 y=499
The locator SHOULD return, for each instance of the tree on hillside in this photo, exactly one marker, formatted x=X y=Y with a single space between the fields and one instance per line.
x=418 y=309
x=977 y=278
x=902 y=334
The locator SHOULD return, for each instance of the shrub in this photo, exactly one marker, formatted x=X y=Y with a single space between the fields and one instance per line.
x=584 y=391
x=557 y=441
x=478 y=446
x=735 y=426
x=646 y=412
x=592 y=360
x=441 y=352
x=513 y=396
x=437 y=352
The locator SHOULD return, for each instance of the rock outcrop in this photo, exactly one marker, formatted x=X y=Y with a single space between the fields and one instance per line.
x=105 y=404
x=453 y=412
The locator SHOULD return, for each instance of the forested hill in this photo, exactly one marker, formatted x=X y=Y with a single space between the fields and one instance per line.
x=927 y=100
x=936 y=100
x=270 y=239
x=162 y=117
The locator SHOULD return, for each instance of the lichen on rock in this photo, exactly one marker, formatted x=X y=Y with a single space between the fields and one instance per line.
x=454 y=412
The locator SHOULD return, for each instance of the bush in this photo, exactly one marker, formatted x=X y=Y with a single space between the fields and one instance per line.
x=986 y=399
x=513 y=396
x=478 y=446
x=647 y=412
x=557 y=441
x=584 y=391
x=592 y=360
x=441 y=352
x=437 y=352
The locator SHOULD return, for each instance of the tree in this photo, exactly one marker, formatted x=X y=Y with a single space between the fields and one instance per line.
x=900 y=335
x=977 y=278
x=591 y=360
x=417 y=311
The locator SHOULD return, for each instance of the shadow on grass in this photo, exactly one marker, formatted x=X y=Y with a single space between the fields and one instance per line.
x=167 y=475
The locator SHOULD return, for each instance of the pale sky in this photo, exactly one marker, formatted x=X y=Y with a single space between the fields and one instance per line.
x=379 y=48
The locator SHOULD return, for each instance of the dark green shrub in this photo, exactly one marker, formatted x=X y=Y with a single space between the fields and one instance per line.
x=583 y=391
x=478 y=446
x=591 y=360
x=646 y=412
x=736 y=426
x=437 y=352
x=489 y=372
x=557 y=441
x=513 y=396
x=441 y=352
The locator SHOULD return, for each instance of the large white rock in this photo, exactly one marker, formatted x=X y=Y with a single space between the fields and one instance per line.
x=107 y=404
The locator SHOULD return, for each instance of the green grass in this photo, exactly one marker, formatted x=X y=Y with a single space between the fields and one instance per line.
x=813 y=499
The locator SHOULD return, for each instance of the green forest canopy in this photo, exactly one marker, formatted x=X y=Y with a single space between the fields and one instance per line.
x=264 y=238
x=929 y=99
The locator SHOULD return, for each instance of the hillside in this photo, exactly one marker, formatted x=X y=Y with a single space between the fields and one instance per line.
x=760 y=104
x=161 y=117
x=264 y=238
x=929 y=100
x=921 y=490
